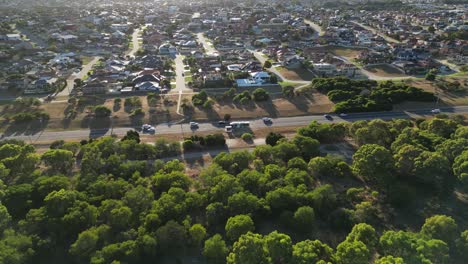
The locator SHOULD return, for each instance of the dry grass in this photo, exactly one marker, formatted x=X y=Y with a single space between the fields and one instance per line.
x=345 y=52
x=277 y=106
x=385 y=70
x=446 y=97
x=296 y=74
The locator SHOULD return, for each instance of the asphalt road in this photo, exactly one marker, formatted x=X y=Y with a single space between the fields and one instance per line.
x=184 y=128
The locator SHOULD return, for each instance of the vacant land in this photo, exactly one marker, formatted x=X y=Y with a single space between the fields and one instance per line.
x=451 y=90
x=64 y=115
x=345 y=51
x=385 y=70
x=300 y=74
x=277 y=106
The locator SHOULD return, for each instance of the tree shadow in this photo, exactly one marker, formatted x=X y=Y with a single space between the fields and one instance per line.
x=269 y=107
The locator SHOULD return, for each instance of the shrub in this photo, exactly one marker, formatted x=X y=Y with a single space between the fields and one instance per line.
x=247 y=137
x=188 y=145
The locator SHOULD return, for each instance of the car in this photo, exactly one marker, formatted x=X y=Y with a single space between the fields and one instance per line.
x=343 y=115
x=222 y=123
x=327 y=116
x=435 y=111
x=267 y=120
x=193 y=125
x=228 y=129
x=145 y=128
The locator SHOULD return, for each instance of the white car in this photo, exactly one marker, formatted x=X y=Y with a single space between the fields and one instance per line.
x=267 y=120
x=435 y=111
x=343 y=115
x=193 y=124
x=148 y=128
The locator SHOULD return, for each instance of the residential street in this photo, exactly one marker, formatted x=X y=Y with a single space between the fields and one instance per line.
x=375 y=31
x=317 y=28
x=135 y=42
x=70 y=81
x=185 y=130
x=180 y=80
x=208 y=46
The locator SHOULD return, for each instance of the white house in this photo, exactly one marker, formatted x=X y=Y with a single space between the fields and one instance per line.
x=324 y=69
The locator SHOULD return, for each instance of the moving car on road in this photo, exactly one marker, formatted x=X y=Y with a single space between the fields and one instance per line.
x=327 y=116
x=193 y=125
x=267 y=120
x=145 y=128
x=435 y=111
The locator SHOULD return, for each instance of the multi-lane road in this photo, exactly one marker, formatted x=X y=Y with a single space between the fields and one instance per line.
x=184 y=128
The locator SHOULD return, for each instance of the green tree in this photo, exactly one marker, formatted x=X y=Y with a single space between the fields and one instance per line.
x=172 y=236
x=215 y=249
x=288 y=91
x=279 y=247
x=102 y=111
x=243 y=203
x=462 y=244
x=132 y=135
x=311 y=251
x=260 y=94
x=250 y=248
x=389 y=260
x=5 y=218
x=440 y=227
x=197 y=234
x=58 y=160
x=304 y=218
x=238 y=225
x=354 y=252
x=273 y=138
x=267 y=64
x=374 y=162
x=308 y=147
x=364 y=233
x=15 y=248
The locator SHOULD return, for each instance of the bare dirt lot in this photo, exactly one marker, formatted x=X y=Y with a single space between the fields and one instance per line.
x=385 y=70
x=296 y=74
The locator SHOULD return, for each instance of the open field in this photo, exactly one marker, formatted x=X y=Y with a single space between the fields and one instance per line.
x=295 y=74
x=345 y=51
x=64 y=116
x=385 y=70
x=277 y=106
x=446 y=97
